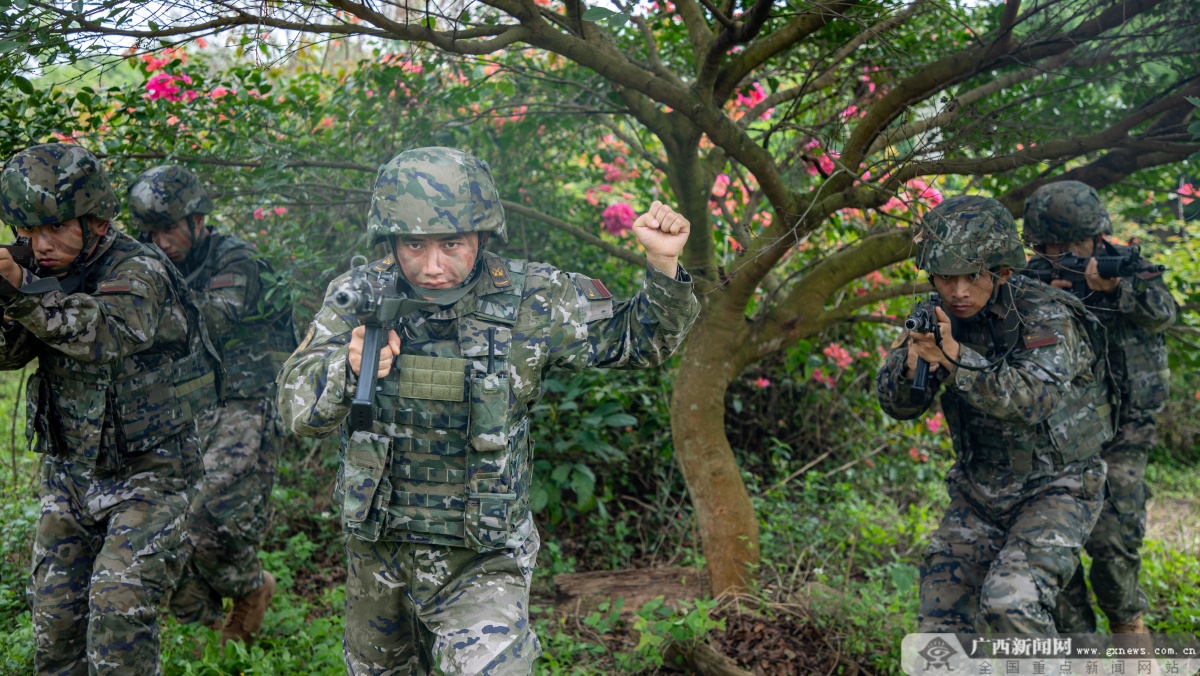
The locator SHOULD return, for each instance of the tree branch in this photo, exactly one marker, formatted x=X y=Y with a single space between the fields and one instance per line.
x=610 y=248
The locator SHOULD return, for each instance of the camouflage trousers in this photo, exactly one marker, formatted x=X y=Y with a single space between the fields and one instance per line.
x=998 y=565
x=1116 y=539
x=422 y=609
x=241 y=443
x=105 y=554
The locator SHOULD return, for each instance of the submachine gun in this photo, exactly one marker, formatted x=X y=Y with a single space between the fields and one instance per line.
x=378 y=305
x=923 y=319
x=1071 y=268
x=21 y=251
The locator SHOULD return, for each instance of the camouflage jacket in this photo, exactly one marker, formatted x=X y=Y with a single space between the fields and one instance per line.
x=118 y=360
x=1135 y=317
x=448 y=460
x=226 y=281
x=1042 y=410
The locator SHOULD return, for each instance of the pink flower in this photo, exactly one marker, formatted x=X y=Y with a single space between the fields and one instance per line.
x=612 y=174
x=819 y=376
x=279 y=211
x=840 y=355
x=604 y=187
x=762 y=383
x=166 y=86
x=849 y=112
x=1188 y=189
x=917 y=455
x=201 y=42
x=826 y=163
x=876 y=279
x=258 y=214
x=618 y=218
x=935 y=422
x=218 y=92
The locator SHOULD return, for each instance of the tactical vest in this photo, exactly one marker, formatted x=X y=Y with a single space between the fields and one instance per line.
x=1080 y=424
x=82 y=410
x=1136 y=357
x=254 y=353
x=448 y=458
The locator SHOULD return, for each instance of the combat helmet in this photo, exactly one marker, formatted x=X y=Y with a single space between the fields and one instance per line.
x=163 y=196
x=55 y=182
x=1062 y=212
x=967 y=234
x=434 y=191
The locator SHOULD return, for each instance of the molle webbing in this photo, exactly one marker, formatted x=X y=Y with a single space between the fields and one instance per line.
x=437 y=378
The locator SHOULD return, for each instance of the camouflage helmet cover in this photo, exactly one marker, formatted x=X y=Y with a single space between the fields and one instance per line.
x=163 y=196
x=1065 y=211
x=967 y=234
x=435 y=191
x=55 y=182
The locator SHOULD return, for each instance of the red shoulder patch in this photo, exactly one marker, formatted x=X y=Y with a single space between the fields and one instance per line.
x=1040 y=339
x=601 y=291
x=222 y=281
x=115 y=286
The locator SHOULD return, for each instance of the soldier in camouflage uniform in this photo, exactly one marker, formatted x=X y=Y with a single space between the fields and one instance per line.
x=1028 y=406
x=121 y=365
x=1068 y=217
x=435 y=494
x=241 y=439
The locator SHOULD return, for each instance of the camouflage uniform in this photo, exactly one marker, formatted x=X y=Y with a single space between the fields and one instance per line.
x=241 y=440
x=435 y=495
x=1135 y=316
x=121 y=361
x=1027 y=429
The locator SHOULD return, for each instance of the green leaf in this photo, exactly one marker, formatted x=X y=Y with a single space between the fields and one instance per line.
x=24 y=85
x=620 y=420
x=7 y=46
x=597 y=14
x=77 y=6
x=1194 y=100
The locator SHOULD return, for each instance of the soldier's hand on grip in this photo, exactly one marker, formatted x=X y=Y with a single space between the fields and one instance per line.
x=386 y=354
x=1097 y=283
x=10 y=269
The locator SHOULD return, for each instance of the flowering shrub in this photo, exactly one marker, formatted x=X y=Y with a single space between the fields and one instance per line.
x=618 y=218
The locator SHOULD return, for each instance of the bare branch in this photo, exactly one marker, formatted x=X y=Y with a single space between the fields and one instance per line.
x=612 y=249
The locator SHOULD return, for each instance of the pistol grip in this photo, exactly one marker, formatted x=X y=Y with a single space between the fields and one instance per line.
x=362 y=408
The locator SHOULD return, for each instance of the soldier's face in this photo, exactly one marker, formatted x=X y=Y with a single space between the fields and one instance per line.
x=1084 y=248
x=965 y=295
x=177 y=240
x=437 y=261
x=56 y=245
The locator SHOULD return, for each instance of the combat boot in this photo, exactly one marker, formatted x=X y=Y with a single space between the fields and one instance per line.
x=246 y=618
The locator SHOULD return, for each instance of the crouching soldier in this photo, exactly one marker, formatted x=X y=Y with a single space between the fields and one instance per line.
x=240 y=440
x=436 y=469
x=121 y=365
x=1028 y=405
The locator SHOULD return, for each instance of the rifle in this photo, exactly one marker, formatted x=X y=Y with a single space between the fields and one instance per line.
x=21 y=251
x=1071 y=268
x=923 y=319
x=378 y=306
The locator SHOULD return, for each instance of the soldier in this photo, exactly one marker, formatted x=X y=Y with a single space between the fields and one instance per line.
x=1068 y=217
x=1027 y=404
x=121 y=365
x=240 y=440
x=435 y=495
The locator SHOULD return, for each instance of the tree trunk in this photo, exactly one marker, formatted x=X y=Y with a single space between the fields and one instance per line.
x=728 y=525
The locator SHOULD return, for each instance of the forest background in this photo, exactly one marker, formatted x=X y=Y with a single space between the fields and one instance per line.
x=802 y=139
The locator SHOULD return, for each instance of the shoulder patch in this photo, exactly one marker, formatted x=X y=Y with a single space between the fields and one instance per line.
x=498 y=274
x=593 y=289
x=223 y=281
x=1043 y=338
x=383 y=265
x=1149 y=275
x=901 y=339
x=114 y=286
